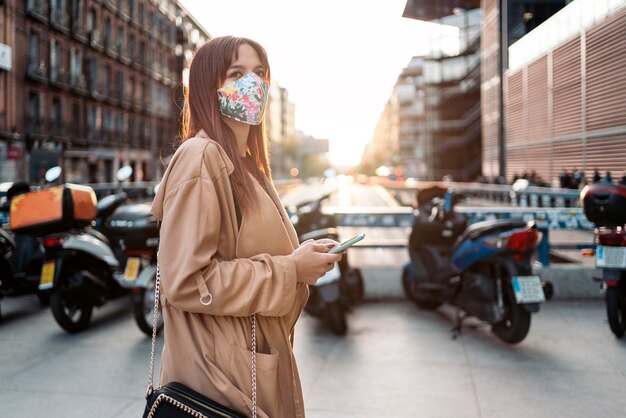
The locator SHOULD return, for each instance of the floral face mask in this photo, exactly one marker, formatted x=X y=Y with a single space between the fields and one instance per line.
x=244 y=99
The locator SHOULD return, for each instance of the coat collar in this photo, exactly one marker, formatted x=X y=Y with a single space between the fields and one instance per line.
x=227 y=161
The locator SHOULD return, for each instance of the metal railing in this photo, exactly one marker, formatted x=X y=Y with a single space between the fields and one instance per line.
x=532 y=196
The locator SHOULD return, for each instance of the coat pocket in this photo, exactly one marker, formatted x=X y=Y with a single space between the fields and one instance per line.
x=266 y=376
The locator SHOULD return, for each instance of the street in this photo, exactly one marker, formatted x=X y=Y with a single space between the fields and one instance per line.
x=395 y=361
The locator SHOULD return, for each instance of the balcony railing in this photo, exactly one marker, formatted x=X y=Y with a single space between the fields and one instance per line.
x=79 y=82
x=34 y=124
x=95 y=39
x=57 y=127
x=36 y=8
x=37 y=70
x=58 y=76
x=110 y=47
x=60 y=19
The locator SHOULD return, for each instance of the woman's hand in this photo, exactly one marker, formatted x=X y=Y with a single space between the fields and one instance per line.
x=313 y=261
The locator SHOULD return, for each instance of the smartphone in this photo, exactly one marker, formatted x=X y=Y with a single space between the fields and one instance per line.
x=346 y=244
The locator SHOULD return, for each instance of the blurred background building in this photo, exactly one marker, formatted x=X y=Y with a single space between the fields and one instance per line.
x=436 y=104
x=88 y=85
x=550 y=99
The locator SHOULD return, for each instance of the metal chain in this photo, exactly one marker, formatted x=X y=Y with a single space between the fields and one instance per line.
x=254 y=366
x=155 y=319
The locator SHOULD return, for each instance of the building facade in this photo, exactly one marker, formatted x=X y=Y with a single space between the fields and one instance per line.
x=89 y=87
x=564 y=99
x=435 y=103
x=281 y=131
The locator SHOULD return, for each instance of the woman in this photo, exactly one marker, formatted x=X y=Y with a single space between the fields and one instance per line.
x=228 y=251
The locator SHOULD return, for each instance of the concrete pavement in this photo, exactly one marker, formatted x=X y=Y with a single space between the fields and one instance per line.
x=396 y=361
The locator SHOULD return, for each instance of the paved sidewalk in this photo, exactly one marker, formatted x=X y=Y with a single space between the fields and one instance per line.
x=396 y=361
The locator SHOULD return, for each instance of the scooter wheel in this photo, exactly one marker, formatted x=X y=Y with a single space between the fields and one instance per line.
x=143 y=309
x=514 y=328
x=422 y=300
x=71 y=313
x=337 y=319
x=616 y=311
x=353 y=285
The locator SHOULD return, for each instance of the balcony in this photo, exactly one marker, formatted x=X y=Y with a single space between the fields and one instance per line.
x=157 y=71
x=58 y=76
x=79 y=32
x=110 y=47
x=38 y=71
x=79 y=83
x=37 y=9
x=95 y=40
x=60 y=20
x=34 y=124
x=123 y=53
x=57 y=127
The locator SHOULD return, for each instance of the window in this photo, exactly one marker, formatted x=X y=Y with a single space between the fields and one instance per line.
x=91 y=19
x=57 y=116
x=34 y=108
x=120 y=85
x=33 y=51
x=107 y=80
x=76 y=65
x=93 y=74
x=77 y=8
x=121 y=37
x=107 y=30
x=142 y=53
x=142 y=13
x=55 y=59
x=131 y=46
x=91 y=123
x=77 y=128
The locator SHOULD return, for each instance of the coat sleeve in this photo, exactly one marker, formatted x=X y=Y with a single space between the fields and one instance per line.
x=190 y=270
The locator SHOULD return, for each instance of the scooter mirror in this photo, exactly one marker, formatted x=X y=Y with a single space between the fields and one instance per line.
x=53 y=174
x=124 y=173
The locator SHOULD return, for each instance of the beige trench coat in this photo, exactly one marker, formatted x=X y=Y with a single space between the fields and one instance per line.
x=204 y=254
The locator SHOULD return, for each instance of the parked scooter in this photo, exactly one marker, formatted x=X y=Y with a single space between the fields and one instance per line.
x=133 y=231
x=21 y=254
x=605 y=205
x=483 y=269
x=339 y=288
x=79 y=267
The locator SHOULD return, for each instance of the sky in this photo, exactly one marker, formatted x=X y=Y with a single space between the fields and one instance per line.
x=338 y=59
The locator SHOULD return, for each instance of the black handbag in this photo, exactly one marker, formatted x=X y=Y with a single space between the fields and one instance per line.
x=175 y=400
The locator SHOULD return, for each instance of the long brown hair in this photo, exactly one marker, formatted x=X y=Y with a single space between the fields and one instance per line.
x=201 y=110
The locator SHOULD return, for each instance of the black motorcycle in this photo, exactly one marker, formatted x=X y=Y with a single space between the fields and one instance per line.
x=605 y=205
x=79 y=266
x=134 y=235
x=21 y=256
x=342 y=286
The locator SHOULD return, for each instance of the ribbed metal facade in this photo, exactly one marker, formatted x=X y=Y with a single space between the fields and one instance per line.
x=567 y=108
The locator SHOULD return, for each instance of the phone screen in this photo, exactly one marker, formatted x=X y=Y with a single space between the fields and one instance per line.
x=346 y=244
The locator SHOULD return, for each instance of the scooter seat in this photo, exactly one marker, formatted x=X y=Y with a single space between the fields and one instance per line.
x=99 y=235
x=479 y=229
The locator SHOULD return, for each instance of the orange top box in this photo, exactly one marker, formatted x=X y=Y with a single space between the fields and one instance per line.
x=53 y=210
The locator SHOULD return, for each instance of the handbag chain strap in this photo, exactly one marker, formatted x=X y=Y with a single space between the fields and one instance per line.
x=155 y=320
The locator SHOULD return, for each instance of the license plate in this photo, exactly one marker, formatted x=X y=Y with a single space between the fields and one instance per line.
x=528 y=289
x=132 y=268
x=611 y=257
x=47 y=275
